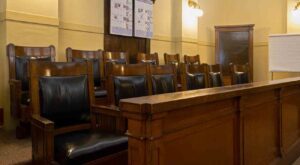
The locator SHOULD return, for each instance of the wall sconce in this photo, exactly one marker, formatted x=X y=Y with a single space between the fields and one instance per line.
x=196 y=8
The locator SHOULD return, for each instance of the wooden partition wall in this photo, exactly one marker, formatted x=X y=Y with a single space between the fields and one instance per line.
x=251 y=124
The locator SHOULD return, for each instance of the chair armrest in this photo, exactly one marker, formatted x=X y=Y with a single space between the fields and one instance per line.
x=42 y=122
x=113 y=111
x=108 y=118
x=42 y=134
x=15 y=97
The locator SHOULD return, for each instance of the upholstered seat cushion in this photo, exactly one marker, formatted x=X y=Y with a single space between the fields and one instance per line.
x=163 y=84
x=195 y=81
x=22 y=68
x=80 y=147
x=241 y=77
x=129 y=86
x=64 y=100
x=100 y=93
x=215 y=79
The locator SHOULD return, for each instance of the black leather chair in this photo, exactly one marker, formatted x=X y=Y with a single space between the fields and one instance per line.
x=215 y=76
x=163 y=79
x=96 y=57
x=64 y=128
x=19 y=57
x=127 y=81
x=194 y=76
x=239 y=74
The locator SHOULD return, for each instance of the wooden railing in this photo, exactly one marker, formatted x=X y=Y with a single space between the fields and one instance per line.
x=257 y=123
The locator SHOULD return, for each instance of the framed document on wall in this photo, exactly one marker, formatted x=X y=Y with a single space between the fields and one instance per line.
x=121 y=18
x=143 y=18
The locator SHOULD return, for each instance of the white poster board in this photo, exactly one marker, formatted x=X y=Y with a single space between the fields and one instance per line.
x=284 y=53
x=121 y=22
x=143 y=14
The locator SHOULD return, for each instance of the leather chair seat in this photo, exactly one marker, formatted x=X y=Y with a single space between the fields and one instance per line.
x=80 y=147
x=216 y=80
x=25 y=100
x=100 y=93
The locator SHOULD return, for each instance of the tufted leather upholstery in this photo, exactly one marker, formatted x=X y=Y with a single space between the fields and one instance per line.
x=195 y=81
x=22 y=68
x=241 y=77
x=129 y=86
x=163 y=84
x=64 y=100
x=80 y=147
x=215 y=79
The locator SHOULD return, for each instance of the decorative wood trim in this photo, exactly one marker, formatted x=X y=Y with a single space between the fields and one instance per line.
x=81 y=27
x=30 y=18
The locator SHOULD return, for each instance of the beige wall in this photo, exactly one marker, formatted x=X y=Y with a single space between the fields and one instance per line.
x=81 y=25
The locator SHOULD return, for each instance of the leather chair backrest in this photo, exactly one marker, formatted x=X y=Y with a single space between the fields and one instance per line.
x=19 y=57
x=95 y=56
x=22 y=65
x=241 y=77
x=129 y=86
x=195 y=81
x=215 y=79
x=163 y=84
x=65 y=100
x=96 y=69
x=240 y=74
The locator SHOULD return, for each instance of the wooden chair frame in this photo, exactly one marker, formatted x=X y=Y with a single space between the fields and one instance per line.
x=17 y=109
x=186 y=68
x=107 y=56
x=43 y=130
x=144 y=56
x=191 y=59
x=215 y=68
x=169 y=58
x=239 y=68
x=162 y=70
x=88 y=54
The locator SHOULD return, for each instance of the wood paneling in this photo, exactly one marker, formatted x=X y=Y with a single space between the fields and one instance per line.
x=234 y=44
x=116 y=43
x=256 y=123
